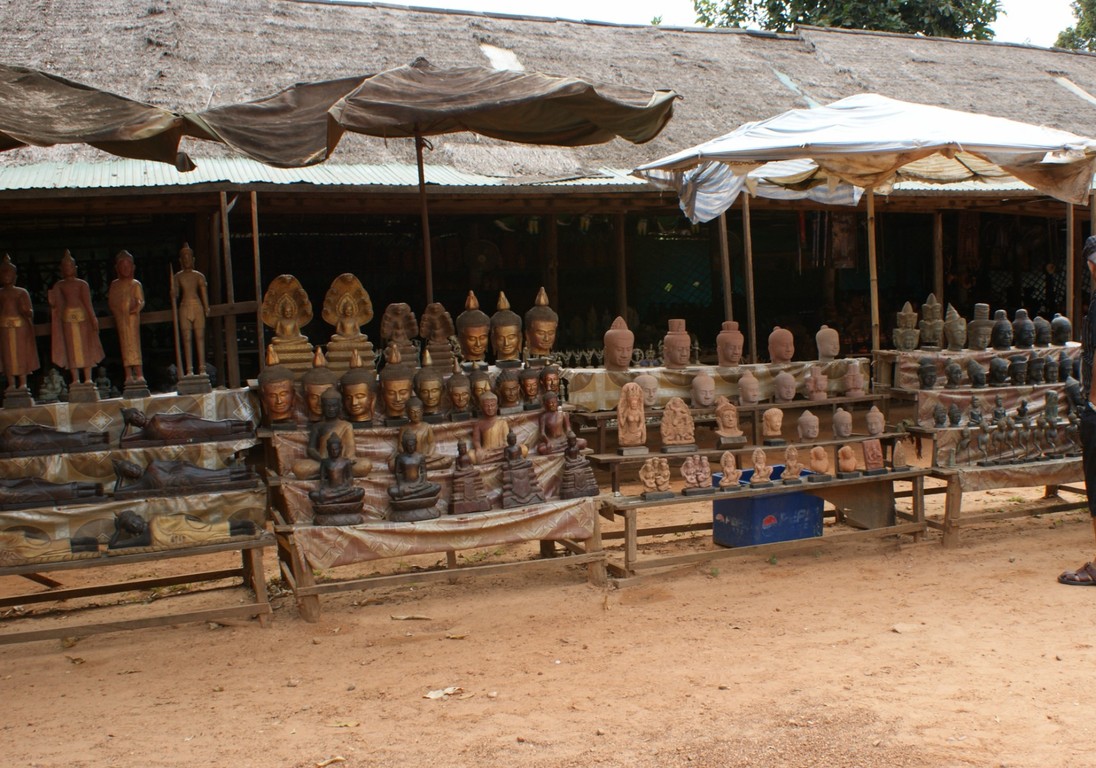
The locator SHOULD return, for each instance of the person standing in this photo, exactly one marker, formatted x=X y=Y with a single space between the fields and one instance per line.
x=1085 y=576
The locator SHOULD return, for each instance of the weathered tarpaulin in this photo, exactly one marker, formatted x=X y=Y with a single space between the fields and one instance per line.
x=40 y=109
x=526 y=107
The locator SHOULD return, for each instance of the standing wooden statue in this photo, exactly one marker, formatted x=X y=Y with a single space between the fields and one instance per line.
x=75 y=331
x=18 y=352
x=126 y=299
x=188 y=290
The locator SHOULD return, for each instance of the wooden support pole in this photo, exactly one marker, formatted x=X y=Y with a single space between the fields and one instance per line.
x=232 y=352
x=260 y=334
x=551 y=247
x=621 y=267
x=873 y=272
x=751 y=306
x=427 y=257
x=1073 y=285
x=938 y=256
x=725 y=267
x=216 y=295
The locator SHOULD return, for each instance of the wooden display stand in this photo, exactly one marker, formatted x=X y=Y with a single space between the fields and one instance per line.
x=1053 y=475
x=866 y=496
x=250 y=571
x=298 y=567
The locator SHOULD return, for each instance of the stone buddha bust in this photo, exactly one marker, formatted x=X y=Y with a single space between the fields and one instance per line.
x=807 y=426
x=276 y=392
x=619 y=344
x=784 y=387
x=781 y=345
x=749 y=389
x=506 y=334
x=979 y=328
x=932 y=322
x=906 y=335
x=459 y=390
x=955 y=330
x=396 y=387
x=829 y=343
x=703 y=391
x=842 y=423
x=399 y=326
x=676 y=345
x=541 y=325
x=317 y=380
x=359 y=392
x=473 y=329
x=729 y=344
x=429 y=386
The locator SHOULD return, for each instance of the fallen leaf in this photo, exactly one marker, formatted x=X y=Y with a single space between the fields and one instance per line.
x=330 y=761
x=218 y=689
x=467 y=695
x=455 y=637
x=344 y=724
x=441 y=693
x=411 y=617
x=75 y=659
x=68 y=642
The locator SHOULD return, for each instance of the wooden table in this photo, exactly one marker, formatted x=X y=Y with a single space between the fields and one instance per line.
x=859 y=498
x=303 y=549
x=250 y=571
x=1053 y=474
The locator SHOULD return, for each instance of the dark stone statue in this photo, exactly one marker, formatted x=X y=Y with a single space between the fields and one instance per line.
x=178 y=428
x=578 y=476
x=337 y=501
x=33 y=491
x=34 y=439
x=520 y=487
x=413 y=497
x=1000 y=338
x=172 y=531
x=468 y=493
x=167 y=477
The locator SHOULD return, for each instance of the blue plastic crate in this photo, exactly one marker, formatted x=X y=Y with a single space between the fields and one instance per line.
x=743 y=522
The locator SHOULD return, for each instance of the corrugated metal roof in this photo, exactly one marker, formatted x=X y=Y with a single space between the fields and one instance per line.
x=130 y=174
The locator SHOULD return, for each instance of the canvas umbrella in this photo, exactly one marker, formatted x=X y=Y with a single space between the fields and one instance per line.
x=420 y=100
x=871 y=141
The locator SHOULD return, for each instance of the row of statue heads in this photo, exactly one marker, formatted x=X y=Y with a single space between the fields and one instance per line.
x=505 y=337
x=74 y=328
x=655 y=475
x=1015 y=370
x=367 y=397
x=1012 y=436
x=950 y=330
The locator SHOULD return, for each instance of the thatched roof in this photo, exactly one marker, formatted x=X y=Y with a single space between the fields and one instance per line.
x=193 y=54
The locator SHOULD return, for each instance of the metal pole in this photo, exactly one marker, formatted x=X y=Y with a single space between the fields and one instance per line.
x=751 y=307
x=725 y=267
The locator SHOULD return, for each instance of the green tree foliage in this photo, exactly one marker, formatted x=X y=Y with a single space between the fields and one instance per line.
x=939 y=18
x=1082 y=35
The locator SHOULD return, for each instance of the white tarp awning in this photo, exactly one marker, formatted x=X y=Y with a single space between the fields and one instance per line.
x=873 y=141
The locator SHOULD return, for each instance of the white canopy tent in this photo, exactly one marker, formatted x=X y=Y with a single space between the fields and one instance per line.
x=871 y=142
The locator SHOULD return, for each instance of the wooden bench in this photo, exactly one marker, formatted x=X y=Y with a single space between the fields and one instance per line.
x=250 y=572
x=861 y=498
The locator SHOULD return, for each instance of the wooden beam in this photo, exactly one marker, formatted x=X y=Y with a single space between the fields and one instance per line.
x=751 y=306
x=725 y=266
x=1073 y=285
x=873 y=272
x=938 y=256
x=260 y=334
x=232 y=352
x=621 y=268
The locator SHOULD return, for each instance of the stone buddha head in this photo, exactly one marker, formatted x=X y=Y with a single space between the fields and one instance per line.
x=781 y=345
x=541 y=324
x=619 y=343
x=505 y=331
x=473 y=329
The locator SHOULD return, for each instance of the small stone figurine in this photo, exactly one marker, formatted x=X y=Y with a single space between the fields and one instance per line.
x=697 y=474
x=731 y=473
x=677 y=428
x=655 y=477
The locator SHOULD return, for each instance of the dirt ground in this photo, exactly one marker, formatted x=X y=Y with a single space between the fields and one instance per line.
x=869 y=653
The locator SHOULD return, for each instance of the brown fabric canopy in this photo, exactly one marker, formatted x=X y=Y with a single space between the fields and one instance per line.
x=530 y=108
x=290 y=129
x=42 y=110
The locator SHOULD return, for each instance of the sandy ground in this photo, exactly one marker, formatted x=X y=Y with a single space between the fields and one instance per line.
x=870 y=653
